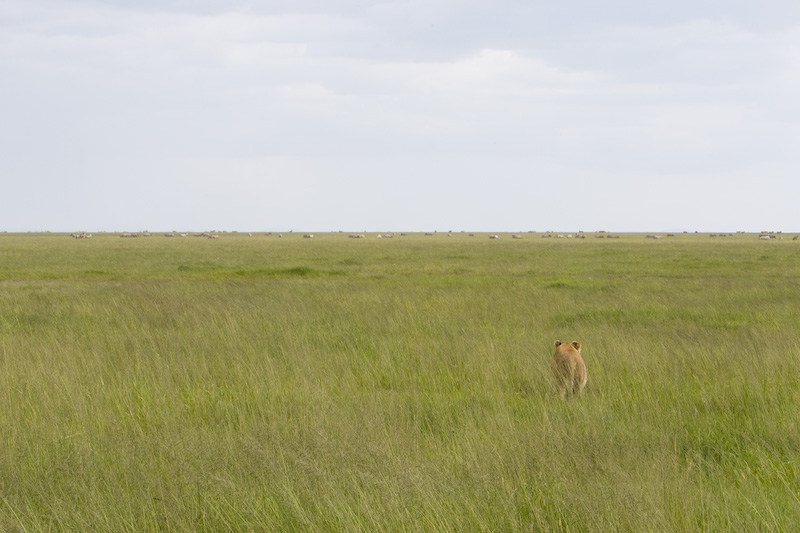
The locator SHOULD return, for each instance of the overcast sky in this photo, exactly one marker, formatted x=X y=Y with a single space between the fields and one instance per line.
x=317 y=115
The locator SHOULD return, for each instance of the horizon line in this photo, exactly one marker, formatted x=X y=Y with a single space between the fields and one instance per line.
x=274 y=231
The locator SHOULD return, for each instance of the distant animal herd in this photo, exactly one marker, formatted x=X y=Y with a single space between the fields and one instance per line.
x=764 y=235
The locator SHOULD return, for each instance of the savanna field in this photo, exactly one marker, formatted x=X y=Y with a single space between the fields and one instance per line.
x=334 y=384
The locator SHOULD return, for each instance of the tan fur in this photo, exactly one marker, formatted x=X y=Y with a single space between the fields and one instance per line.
x=569 y=370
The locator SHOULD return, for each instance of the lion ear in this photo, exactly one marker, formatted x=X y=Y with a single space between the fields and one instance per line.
x=558 y=343
x=577 y=345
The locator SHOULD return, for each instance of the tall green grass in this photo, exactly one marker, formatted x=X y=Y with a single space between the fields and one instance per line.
x=266 y=384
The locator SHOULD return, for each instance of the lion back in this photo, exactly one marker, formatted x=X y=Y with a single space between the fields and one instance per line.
x=569 y=369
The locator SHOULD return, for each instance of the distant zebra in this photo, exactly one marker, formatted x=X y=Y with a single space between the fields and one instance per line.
x=516 y=236
x=494 y=236
x=357 y=236
x=308 y=236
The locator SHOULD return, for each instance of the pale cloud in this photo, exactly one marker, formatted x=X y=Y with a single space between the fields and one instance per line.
x=786 y=57
x=490 y=72
x=694 y=127
x=259 y=55
x=311 y=92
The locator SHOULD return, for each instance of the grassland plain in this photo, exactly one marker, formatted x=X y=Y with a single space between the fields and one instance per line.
x=334 y=384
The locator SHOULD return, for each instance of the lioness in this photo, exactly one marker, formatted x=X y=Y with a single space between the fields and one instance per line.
x=569 y=369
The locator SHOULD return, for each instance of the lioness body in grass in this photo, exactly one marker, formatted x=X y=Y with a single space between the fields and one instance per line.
x=569 y=370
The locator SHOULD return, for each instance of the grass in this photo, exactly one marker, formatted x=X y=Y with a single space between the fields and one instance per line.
x=266 y=384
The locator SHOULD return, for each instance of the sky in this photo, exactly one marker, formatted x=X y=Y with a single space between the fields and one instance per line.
x=399 y=115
